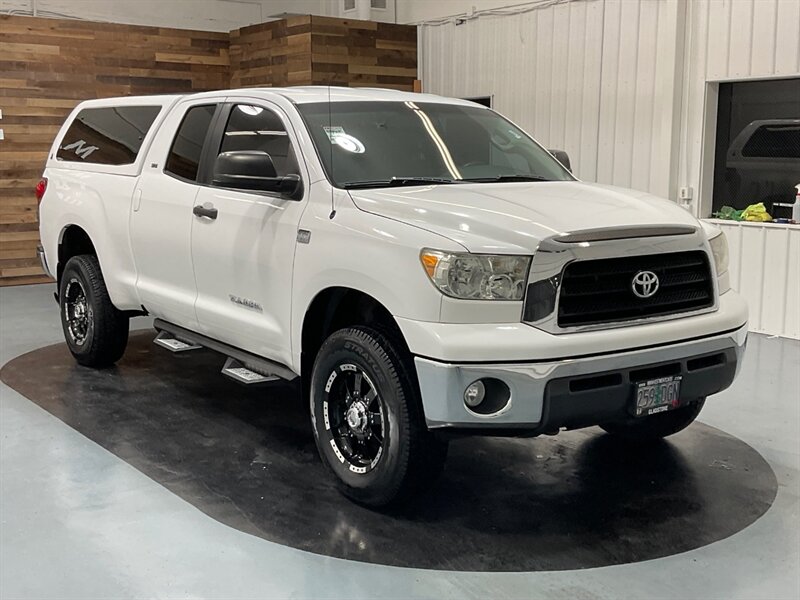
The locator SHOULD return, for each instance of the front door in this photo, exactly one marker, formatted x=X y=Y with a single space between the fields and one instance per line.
x=243 y=242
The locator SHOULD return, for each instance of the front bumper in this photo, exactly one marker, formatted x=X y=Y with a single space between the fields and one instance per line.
x=576 y=392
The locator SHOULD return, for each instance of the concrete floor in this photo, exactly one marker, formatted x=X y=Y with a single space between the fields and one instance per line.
x=78 y=522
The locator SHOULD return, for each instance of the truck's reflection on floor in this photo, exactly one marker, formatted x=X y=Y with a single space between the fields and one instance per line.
x=247 y=457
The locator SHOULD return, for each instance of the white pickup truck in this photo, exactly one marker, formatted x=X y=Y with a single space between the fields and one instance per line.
x=421 y=263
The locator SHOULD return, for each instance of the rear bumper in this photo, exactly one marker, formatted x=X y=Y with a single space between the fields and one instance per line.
x=43 y=260
x=576 y=392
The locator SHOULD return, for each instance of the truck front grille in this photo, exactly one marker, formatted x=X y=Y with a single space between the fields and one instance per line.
x=602 y=290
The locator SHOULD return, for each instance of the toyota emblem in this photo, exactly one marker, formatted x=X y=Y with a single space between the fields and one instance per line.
x=645 y=284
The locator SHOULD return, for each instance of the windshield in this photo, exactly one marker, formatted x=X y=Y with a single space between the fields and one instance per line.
x=374 y=144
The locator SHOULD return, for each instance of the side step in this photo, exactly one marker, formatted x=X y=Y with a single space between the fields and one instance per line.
x=239 y=372
x=166 y=340
x=241 y=365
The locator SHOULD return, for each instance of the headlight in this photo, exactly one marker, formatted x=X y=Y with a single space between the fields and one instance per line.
x=719 y=248
x=477 y=276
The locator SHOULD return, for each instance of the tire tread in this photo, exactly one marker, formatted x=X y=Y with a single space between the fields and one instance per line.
x=111 y=325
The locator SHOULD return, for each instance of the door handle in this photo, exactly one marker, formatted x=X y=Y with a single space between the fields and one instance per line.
x=202 y=211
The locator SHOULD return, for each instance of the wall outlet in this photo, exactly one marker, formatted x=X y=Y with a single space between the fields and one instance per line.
x=685 y=193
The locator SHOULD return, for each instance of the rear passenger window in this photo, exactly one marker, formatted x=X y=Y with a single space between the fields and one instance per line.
x=184 y=156
x=110 y=135
x=256 y=128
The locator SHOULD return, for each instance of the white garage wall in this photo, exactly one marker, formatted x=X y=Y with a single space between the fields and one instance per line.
x=208 y=15
x=414 y=11
x=596 y=78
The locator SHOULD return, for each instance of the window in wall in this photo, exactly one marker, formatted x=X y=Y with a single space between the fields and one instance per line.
x=349 y=5
x=757 y=144
x=108 y=136
x=257 y=128
x=187 y=147
x=378 y=4
x=482 y=100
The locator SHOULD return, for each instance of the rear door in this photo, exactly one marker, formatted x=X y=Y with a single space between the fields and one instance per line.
x=243 y=257
x=161 y=221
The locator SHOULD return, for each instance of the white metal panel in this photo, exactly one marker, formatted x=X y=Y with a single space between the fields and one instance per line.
x=791 y=323
x=762 y=54
x=607 y=114
x=765 y=270
x=741 y=39
x=787 y=37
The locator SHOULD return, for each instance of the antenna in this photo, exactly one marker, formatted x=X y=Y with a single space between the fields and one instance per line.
x=330 y=140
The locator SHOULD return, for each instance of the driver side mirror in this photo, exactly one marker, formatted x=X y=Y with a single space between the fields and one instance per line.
x=253 y=170
x=562 y=157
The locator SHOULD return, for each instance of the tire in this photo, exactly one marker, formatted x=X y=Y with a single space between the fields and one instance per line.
x=656 y=426
x=95 y=330
x=367 y=419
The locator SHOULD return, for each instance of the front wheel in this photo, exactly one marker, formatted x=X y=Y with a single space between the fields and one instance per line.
x=95 y=330
x=656 y=426
x=367 y=418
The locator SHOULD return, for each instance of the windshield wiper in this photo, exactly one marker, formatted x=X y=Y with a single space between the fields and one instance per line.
x=397 y=182
x=501 y=178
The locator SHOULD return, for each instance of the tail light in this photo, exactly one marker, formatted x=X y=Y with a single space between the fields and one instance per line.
x=41 y=188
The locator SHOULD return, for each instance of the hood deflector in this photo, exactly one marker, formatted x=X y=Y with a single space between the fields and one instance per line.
x=622 y=233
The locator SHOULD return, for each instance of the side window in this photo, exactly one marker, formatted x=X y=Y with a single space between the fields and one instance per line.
x=110 y=135
x=774 y=141
x=256 y=128
x=184 y=155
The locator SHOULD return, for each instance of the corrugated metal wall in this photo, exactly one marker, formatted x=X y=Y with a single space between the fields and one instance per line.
x=765 y=268
x=595 y=78
x=622 y=86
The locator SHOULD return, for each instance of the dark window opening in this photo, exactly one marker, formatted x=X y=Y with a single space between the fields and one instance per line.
x=187 y=147
x=757 y=145
x=110 y=135
x=482 y=100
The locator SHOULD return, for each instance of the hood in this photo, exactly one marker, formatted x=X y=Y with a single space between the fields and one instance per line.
x=515 y=217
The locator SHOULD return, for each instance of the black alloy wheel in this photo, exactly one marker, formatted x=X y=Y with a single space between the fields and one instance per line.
x=355 y=415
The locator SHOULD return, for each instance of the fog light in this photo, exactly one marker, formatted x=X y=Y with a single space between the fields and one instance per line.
x=474 y=394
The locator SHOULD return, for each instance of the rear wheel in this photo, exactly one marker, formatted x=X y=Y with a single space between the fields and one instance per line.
x=656 y=426
x=95 y=331
x=367 y=419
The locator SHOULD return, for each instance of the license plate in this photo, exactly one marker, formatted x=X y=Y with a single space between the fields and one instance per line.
x=657 y=395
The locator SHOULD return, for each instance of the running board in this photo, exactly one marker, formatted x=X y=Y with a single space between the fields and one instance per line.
x=241 y=365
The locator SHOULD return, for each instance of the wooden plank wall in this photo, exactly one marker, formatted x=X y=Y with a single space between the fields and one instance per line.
x=363 y=53
x=47 y=66
x=317 y=50
x=272 y=54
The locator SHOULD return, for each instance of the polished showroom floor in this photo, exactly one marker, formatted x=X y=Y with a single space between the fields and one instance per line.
x=161 y=479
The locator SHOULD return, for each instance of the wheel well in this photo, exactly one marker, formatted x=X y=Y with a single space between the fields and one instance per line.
x=75 y=241
x=336 y=308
